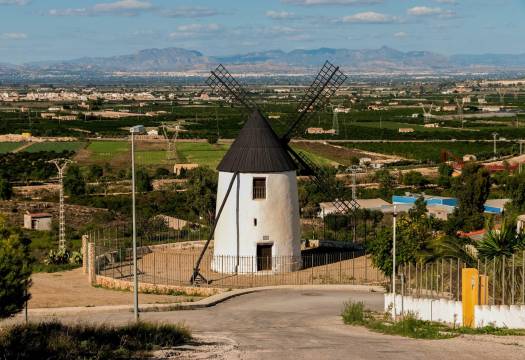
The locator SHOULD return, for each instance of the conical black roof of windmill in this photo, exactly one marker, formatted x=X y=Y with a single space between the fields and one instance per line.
x=257 y=149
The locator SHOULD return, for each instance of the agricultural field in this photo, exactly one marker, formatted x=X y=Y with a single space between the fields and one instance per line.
x=201 y=153
x=431 y=151
x=56 y=146
x=6 y=147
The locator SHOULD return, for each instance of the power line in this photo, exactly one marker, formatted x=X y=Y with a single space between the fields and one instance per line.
x=61 y=165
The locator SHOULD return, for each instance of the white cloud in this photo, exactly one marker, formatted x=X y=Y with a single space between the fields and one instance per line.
x=189 y=12
x=13 y=36
x=400 y=34
x=332 y=2
x=429 y=11
x=122 y=7
x=446 y=1
x=369 y=17
x=194 y=31
x=280 y=15
x=15 y=2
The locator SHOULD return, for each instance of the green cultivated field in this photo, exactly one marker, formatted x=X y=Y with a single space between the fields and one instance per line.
x=6 y=147
x=106 y=150
x=431 y=151
x=56 y=146
x=202 y=153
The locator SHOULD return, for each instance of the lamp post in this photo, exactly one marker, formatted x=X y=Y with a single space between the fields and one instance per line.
x=394 y=265
x=138 y=129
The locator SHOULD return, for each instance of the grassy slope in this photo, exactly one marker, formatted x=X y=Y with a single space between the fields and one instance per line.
x=6 y=147
x=56 y=146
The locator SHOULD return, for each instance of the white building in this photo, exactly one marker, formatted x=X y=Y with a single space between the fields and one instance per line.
x=259 y=227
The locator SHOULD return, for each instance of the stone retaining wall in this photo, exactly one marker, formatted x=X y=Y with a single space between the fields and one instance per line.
x=116 y=284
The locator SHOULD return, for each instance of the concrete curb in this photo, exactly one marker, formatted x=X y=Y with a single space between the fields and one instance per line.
x=201 y=304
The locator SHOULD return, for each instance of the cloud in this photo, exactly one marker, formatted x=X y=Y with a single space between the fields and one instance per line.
x=332 y=2
x=15 y=2
x=429 y=11
x=280 y=15
x=369 y=17
x=446 y=1
x=400 y=34
x=13 y=36
x=121 y=7
x=189 y=12
x=194 y=31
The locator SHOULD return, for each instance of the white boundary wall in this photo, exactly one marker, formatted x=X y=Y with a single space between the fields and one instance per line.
x=441 y=310
x=450 y=311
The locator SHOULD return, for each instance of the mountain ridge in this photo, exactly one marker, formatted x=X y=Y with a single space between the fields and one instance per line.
x=175 y=59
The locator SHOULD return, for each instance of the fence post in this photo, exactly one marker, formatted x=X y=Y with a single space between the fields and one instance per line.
x=85 y=241
x=91 y=267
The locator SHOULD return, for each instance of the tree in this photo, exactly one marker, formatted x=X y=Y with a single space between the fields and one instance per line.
x=162 y=173
x=15 y=271
x=143 y=181
x=414 y=178
x=386 y=183
x=74 y=182
x=212 y=139
x=419 y=209
x=95 y=172
x=472 y=190
x=6 y=189
x=516 y=191
x=445 y=173
x=202 y=191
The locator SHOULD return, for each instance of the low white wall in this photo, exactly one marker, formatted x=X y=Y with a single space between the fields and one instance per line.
x=442 y=310
x=449 y=311
x=508 y=316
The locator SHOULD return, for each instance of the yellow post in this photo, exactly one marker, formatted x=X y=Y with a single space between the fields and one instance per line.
x=483 y=290
x=470 y=294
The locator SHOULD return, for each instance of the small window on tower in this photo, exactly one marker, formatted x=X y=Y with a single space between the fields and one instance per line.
x=254 y=221
x=259 y=188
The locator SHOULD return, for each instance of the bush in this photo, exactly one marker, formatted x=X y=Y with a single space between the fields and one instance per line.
x=15 y=271
x=57 y=257
x=353 y=313
x=54 y=340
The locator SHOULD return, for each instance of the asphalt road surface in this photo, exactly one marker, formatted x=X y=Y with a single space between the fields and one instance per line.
x=306 y=324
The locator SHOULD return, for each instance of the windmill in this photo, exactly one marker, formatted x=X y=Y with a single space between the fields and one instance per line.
x=263 y=205
x=427 y=114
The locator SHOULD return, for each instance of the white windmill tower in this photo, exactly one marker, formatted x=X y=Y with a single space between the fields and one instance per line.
x=257 y=215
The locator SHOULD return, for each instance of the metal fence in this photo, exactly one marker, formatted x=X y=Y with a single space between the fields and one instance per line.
x=442 y=279
x=164 y=265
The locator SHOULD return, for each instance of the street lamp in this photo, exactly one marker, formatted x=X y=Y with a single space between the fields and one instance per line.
x=394 y=265
x=138 y=129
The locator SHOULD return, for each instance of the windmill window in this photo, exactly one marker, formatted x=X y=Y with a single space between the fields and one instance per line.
x=254 y=221
x=259 y=188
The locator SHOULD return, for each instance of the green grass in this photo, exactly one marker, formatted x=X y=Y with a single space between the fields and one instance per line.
x=396 y=125
x=6 y=147
x=56 y=146
x=316 y=158
x=202 y=153
x=154 y=157
x=105 y=150
x=54 y=340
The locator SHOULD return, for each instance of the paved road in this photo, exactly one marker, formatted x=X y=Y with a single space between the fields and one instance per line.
x=305 y=324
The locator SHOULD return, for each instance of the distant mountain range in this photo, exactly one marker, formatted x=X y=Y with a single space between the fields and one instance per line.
x=384 y=59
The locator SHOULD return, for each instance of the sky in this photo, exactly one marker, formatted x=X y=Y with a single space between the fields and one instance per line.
x=39 y=30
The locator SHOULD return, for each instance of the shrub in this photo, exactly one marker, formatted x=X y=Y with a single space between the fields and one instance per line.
x=15 y=271
x=353 y=313
x=54 y=340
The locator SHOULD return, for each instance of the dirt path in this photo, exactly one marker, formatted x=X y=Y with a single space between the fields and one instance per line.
x=23 y=147
x=71 y=288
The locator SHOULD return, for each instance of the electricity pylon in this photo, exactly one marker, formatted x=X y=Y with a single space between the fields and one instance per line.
x=61 y=165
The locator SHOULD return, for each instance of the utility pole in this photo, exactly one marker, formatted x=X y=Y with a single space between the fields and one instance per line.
x=495 y=135
x=394 y=314
x=335 y=121
x=61 y=165
x=137 y=129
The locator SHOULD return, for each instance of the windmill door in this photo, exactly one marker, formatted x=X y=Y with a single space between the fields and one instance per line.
x=264 y=257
